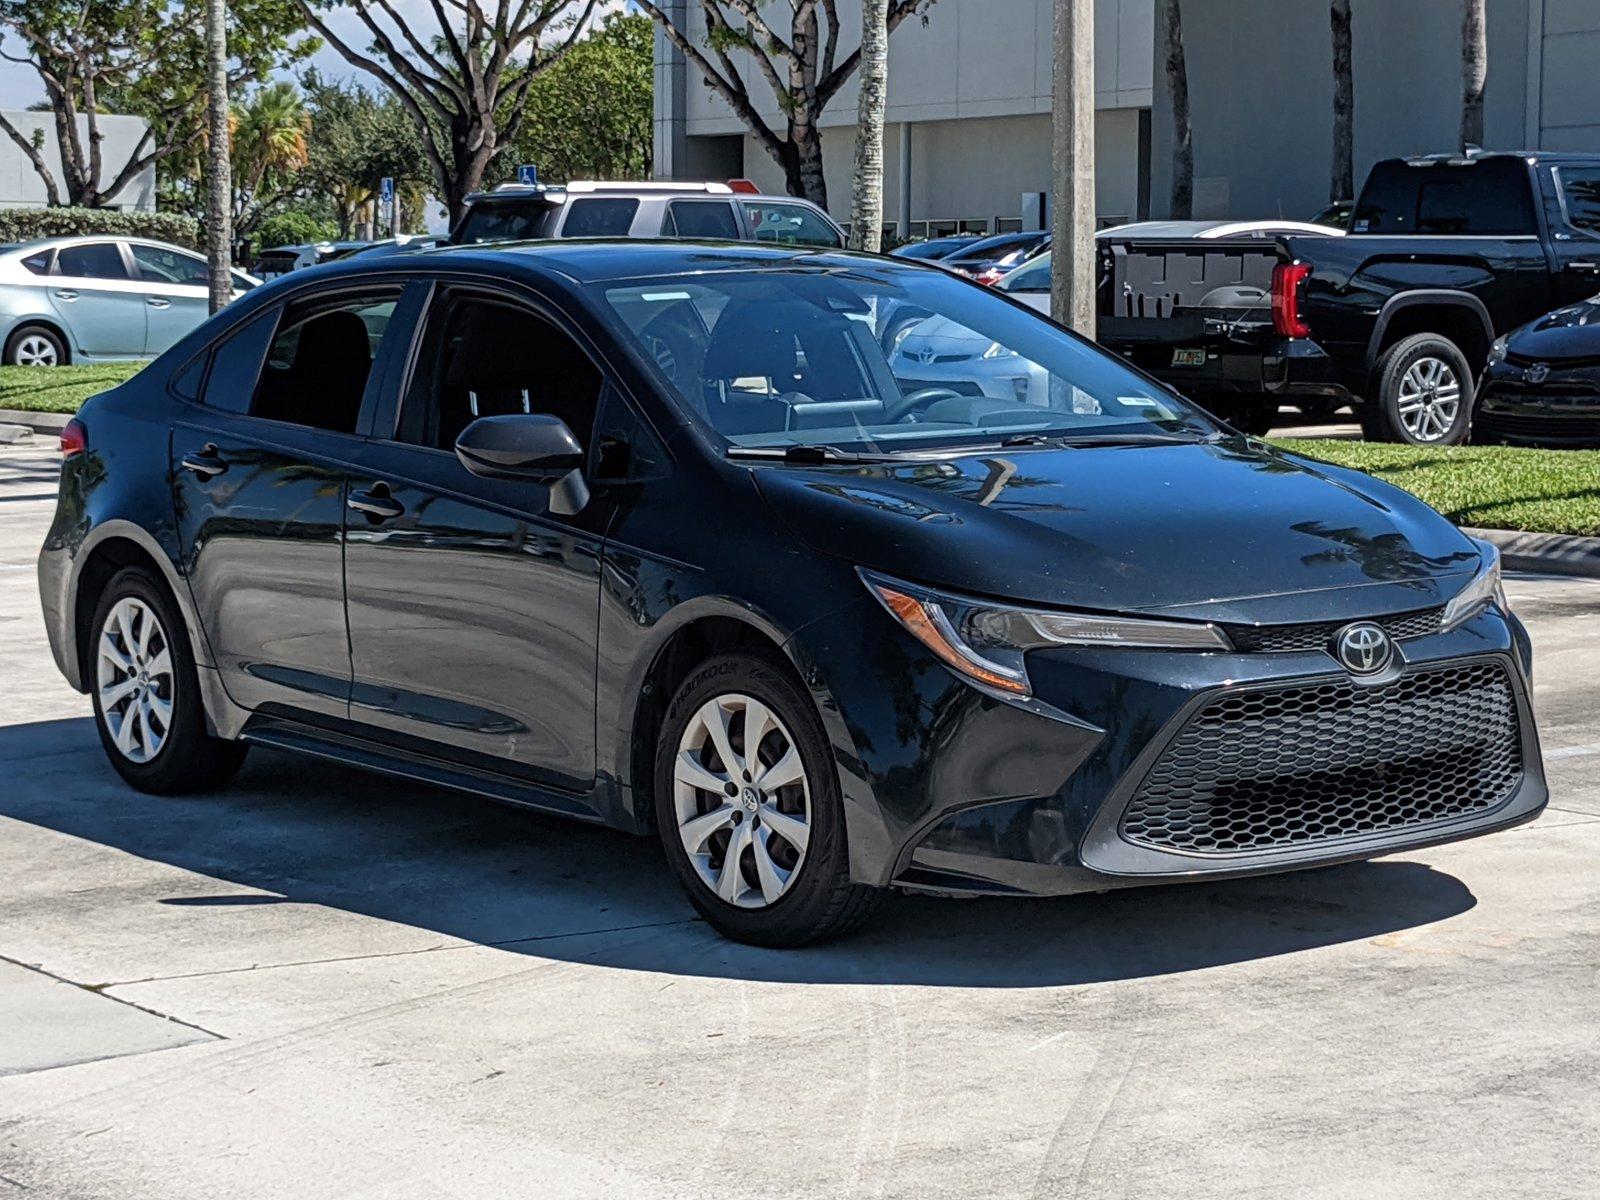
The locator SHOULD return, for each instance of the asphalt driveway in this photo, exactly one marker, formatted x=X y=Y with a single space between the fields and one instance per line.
x=327 y=984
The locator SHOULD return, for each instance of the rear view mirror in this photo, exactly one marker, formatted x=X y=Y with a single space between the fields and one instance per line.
x=527 y=446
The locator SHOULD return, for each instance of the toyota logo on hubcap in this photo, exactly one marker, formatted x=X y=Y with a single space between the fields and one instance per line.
x=1363 y=649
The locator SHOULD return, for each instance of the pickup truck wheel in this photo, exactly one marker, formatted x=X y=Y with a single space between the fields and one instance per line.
x=1424 y=393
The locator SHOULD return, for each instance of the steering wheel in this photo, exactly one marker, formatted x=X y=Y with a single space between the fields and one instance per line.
x=921 y=398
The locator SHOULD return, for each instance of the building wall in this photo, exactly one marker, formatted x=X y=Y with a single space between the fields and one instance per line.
x=1564 y=98
x=21 y=187
x=1261 y=93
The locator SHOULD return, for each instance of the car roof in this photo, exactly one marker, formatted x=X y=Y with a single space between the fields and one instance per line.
x=52 y=243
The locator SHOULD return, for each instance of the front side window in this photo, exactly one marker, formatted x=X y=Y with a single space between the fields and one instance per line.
x=484 y=356
x=319 y=359
x=610 y=216
x=769 y=359
x=789 y=224
x=159 y=265
x=95 y=260
x=1580 y=194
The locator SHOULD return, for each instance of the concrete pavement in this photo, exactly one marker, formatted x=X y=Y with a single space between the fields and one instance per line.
x=326 y=984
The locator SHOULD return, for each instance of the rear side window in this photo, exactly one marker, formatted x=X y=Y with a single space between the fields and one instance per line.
x=236 y=364
x=1488 y=198
x=790 y=224
x=39 y=263
x=1580 y=193
x=712 y=219
x=610 y=216
x=321 y=354
x=97 y=260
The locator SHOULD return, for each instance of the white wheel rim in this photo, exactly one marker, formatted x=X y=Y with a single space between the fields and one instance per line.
x=36 y=350
x=134 y=679
x=742 y=801
x=1430 y=399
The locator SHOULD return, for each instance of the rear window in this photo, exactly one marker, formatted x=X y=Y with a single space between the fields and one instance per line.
x=600 y=217
x=1491 y=197
x=503 y=221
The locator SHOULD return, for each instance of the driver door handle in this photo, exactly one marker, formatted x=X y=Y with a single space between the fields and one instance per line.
x=66 y=294
x=376 y=503
x=207 y=463
x=157 y=302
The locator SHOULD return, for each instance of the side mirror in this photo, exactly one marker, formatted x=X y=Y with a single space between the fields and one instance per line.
x=531 y=447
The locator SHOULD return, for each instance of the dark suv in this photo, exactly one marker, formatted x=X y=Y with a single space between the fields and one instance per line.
x=663 y=536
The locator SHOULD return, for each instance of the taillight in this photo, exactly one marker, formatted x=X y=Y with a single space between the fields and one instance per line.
x=990 y=277
x=1286 y=281
x=74 y=438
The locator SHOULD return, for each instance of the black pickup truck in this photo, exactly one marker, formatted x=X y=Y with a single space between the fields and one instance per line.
x=1399 y=316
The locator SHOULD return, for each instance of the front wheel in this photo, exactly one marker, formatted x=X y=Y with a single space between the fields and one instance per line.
x=748 y=805
x=1424 y=394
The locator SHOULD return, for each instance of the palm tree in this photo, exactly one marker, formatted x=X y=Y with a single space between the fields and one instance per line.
x=1474 y=70
x=866 y=207
x=1182 y=133
x=219 y=172
x=270 y=142
x=1344 y=107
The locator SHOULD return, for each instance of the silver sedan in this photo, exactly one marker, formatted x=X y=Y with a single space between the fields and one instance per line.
x=99 y=299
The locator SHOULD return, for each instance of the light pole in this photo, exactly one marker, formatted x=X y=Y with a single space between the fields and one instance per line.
x=1072 y=290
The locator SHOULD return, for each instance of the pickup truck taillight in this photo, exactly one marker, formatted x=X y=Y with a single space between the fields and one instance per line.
x=1286 y=281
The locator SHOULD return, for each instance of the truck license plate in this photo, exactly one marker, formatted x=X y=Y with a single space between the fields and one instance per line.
x=1189 y=358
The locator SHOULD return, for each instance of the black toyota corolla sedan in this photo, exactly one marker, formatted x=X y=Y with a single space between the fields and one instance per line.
x=1542 y=384
x=681 y=539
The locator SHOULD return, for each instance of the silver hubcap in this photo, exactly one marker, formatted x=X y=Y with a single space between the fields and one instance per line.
x=134 y=679
x=742 y=801
x=1430 y=399
x=36 y=350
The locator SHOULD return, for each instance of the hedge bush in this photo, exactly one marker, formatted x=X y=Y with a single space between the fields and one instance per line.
x=293 y=228
x=26 y=224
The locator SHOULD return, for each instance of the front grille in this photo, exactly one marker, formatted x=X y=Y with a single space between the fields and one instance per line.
x=1579 y=363
x=1278 y=768
x=1318 y=635
x=1535 y=428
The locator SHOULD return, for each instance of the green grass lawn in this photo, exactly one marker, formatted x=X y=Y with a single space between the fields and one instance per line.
x=1492 y=487
x=59 y=389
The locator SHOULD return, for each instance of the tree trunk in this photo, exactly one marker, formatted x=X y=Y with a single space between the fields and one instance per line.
x=807 y=180
x=866 y=207
x=1182 y=134
x=219 y=174
x=1343 y=186
x=1474 y=70
x=1073 y=261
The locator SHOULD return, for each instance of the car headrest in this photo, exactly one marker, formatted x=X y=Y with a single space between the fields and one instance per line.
x=760 y=340
x=498 y=352
x=334 y=340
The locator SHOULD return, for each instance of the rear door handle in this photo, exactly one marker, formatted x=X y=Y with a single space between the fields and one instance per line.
x=376 y=503
x=1584 y=265
x=157 y=302
x=66 y=294
x=207 y=463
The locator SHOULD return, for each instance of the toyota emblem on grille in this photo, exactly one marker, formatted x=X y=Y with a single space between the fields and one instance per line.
x=1538 y=373
x=1363 y=649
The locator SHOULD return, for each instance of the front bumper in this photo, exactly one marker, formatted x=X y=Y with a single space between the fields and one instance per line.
x=956 y=791
x=1562 y=409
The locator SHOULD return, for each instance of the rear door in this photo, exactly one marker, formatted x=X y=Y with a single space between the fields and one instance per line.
x=100 y=301
x=259 y=471
x=176 y=292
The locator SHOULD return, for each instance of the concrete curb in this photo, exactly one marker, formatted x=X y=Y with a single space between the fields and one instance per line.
x=1545 y=553
x=39 y=422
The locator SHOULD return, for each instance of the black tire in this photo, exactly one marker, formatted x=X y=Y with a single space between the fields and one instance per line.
x=1381 y=418
x=821 y=902
x=189 y=759
x=24 y=336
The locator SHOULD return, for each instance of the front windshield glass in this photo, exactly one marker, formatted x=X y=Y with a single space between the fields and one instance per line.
x=881 y=358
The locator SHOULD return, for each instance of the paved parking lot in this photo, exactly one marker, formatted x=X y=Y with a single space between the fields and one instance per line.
x=326 y=984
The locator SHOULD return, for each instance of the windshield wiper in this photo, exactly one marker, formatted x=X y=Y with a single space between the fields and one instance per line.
x=1137 y=439
x=806 y=454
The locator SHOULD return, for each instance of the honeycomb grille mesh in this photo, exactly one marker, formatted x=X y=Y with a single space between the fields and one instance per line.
x=1275 y=639
x=1268 y=769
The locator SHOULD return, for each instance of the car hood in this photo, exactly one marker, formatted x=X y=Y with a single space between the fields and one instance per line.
x=1571 y=332
x=1227 y=531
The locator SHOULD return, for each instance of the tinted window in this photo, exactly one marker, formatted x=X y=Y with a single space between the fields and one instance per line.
x=609 y=217
x=186 y=382
x=625 y=449
x=484 y=357
x=1490 y=197
x=503 y=221
x=158 y=265
x=1580 y=190
x=319 y=360
x=236 y=364
x=97 y=260
x=1035 y=277
x=712 y=219
x=39 y=263
x=789 y=224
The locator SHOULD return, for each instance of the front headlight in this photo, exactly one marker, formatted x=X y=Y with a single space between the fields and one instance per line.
x=1484 y=589
x=1497 y=351
x=987 y=642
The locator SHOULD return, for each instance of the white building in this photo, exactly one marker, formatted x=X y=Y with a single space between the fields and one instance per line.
x=21 y=187
x=969 y=130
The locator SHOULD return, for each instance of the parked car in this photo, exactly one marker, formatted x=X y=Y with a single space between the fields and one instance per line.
x=698 y=211
x=988 y=260
x=655 y=535
x=1337 y=214
x=281 y=260
x=100 y=299
x=402 y=245
x=936 y=248
x=1397 y=317
x=1542 y=383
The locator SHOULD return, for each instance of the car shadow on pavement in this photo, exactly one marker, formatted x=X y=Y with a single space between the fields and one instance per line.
x=302 y=831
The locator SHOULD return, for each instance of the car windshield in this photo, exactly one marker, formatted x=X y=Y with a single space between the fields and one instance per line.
x=882 y=358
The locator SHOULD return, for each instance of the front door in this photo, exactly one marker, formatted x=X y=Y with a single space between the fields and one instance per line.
x=1576 y=236
x=94 y=291
x=473 y=610
x=259 y=474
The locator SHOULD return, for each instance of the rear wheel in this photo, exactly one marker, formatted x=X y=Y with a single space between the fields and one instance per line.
x=747 y=802
x=146 y=692
x=35 y=346
x=1424 y=394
